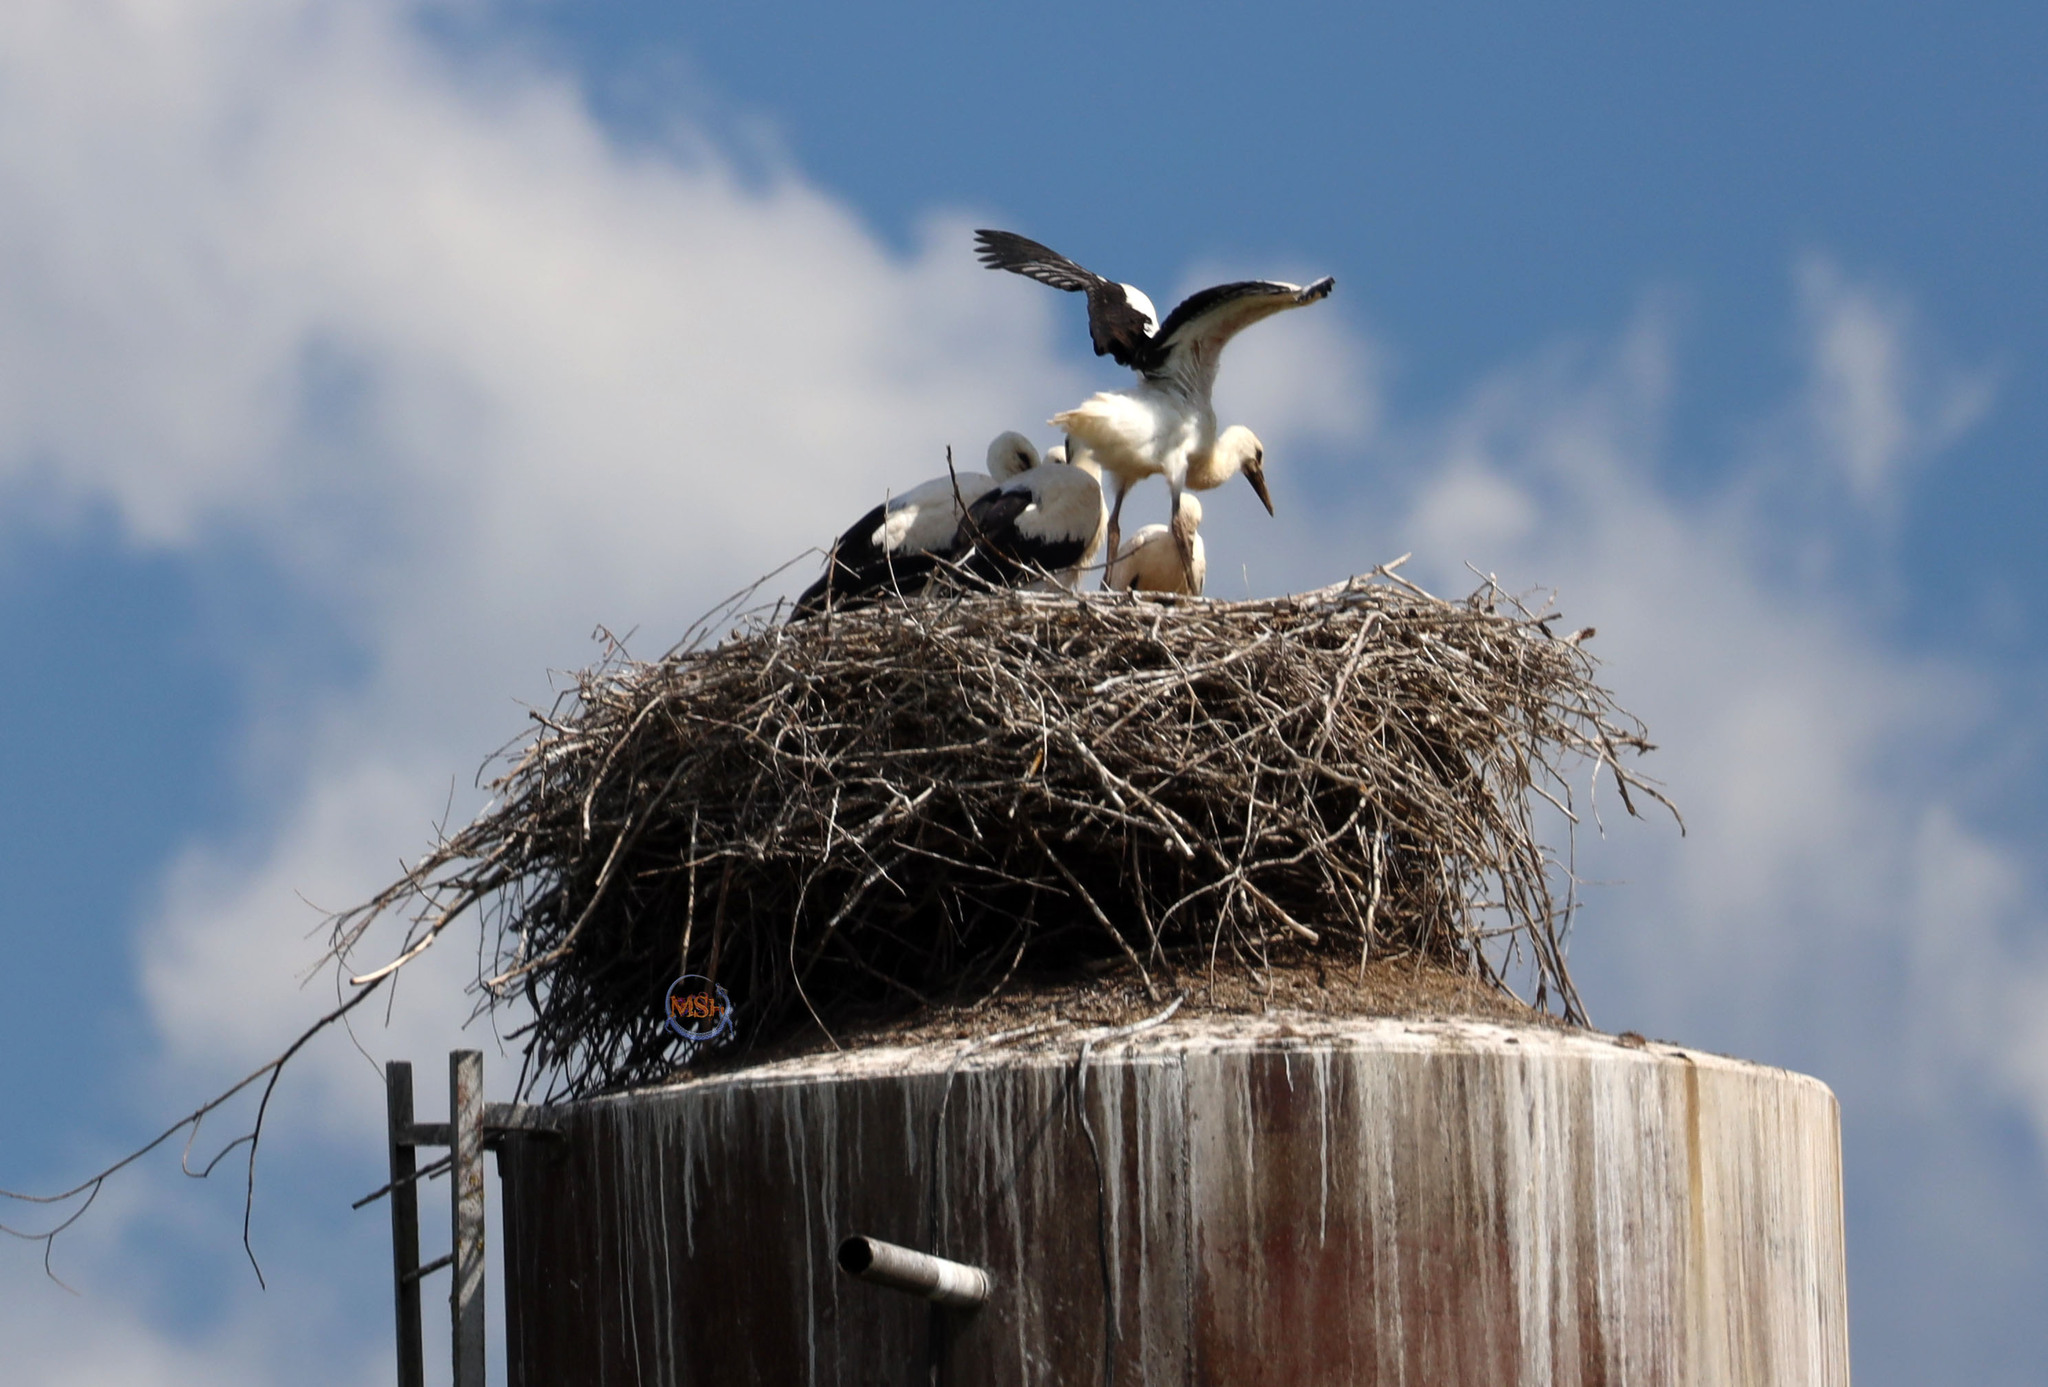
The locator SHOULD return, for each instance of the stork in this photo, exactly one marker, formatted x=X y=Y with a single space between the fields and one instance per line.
x=1044 y=524
x=1165 y=425
x=1150 y=560
x=902 y=538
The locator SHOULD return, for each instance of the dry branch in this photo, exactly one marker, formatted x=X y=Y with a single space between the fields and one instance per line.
x=845 y=817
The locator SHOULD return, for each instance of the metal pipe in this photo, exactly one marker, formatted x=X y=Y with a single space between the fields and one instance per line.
x=916 y=1273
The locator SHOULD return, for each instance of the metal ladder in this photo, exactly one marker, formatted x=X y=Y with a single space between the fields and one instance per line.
x=473 y=1127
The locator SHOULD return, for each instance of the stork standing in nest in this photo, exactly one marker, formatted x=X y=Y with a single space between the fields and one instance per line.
x=1165 y=425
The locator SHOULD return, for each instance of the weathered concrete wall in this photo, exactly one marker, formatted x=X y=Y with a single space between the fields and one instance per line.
x=1300 y=1202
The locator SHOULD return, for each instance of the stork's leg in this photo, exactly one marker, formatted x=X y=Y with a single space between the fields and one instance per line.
x=1114 y=537
x=1182 y=528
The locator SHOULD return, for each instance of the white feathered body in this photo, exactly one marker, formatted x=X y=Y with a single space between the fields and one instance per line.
x=1151 y=429
x=928 y=515
x=1079 y=505
x=1051 y=518
x=1148 y=561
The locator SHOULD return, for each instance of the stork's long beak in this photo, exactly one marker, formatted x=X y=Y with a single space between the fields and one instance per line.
x=1255 y=473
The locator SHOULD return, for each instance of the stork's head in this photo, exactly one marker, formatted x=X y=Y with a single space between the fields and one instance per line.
x=1238 y=450
x=1009 y=454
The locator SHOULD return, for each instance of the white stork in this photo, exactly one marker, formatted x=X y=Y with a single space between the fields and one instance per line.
x=1165 y=425
x=1044 y=524
x=1150 y=560
x=901 y=539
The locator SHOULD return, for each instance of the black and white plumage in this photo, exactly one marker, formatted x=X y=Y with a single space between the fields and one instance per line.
x=1043 y=525
x=1125 y=326
x=1121 y=318
x=1164 y=425
x=899 y=542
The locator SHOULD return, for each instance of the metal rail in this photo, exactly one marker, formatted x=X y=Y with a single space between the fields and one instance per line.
x=473 y=1128
x=405 y=1222
x=466 y=1214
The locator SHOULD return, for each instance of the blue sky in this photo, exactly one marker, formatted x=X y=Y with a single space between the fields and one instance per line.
x=358 y=359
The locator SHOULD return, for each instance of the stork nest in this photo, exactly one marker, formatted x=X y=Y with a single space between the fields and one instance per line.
x=846 y=819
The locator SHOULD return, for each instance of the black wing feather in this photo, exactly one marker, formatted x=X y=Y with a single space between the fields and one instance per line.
x=858 y=567
x=1196 y=305
x=856 y=549
x=844 y=587
x=1116 y=326
x=1006 y=250
x=993 y=518
x=995 y=552
x=1012 y=566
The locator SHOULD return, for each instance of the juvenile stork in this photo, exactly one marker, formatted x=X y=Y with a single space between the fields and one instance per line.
x=901 y=540
x=1150 y=562
x=1165 y=425
x=1042 y=525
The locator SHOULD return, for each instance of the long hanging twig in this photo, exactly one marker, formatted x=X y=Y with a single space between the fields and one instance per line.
x=90 y=1187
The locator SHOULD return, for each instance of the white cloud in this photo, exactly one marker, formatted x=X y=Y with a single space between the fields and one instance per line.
x=1878 y=400
x=1308 y=379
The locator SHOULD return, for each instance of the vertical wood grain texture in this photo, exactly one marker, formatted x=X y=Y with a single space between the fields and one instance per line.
x=1362 y=1202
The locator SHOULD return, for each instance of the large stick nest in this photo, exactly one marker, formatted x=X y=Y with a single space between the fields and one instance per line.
x=847 y=818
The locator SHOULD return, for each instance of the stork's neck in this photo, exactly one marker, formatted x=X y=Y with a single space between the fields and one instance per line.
x=1208 y=468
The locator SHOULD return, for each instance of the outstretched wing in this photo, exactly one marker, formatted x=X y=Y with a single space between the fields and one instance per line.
x=1119 y=327
x=1204 y=321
